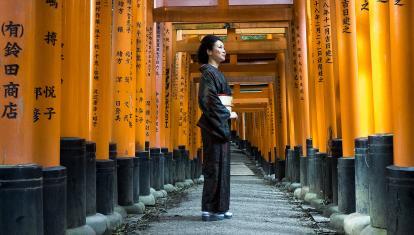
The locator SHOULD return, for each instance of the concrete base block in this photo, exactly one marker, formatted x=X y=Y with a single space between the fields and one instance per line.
x=147 y=200
x=309 y=197
x=158 y=194
x=188 y=183
x=337 y=222
x=294 y=186
x=99 y=223
x=120 y=210
x=180 y=185
x=369 y=230
x=318 y=204
x=273 y=178
x=330 y=209
x=297 y=193
x=286 y=185
x=169 y=188
x=82 y=230
x=137 y=208
x=303 y=192
x=115 y=220
x=354 y=223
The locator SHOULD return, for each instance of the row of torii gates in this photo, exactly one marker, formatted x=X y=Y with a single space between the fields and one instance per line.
x=123 y=73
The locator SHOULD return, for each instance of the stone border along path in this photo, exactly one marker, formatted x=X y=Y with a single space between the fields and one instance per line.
x=258 y=208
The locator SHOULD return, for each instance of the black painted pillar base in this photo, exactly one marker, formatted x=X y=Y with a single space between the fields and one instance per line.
x=113 y=154
x=155 y=155
x=304 y=171
x=177 y=162
x=54 y=200
x=361 y=176
x=181 y=164
x=144 y=173
x=319 y=168
x=21 y=209
x=125 y=181
x=280 y=169
x=346 y=185
x=126 y=186
x=380 y=155
x=327 y=179
x=400 y=201
x=287 y=158
x=187 y=165
x=311 y=170
x=167 y=166
x=297 y=153
x=90 y=172
x=105 y=179
x=336 y=153
x=135 y=180
x=72 y=156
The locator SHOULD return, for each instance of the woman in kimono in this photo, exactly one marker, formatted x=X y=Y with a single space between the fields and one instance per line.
x=215 y=130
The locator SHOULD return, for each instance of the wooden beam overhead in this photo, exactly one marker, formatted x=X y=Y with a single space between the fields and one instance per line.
x=245 y=80
x=235 y=47
x=279 y=12
x=264 y=68
x=278 y=24
x=250 y=101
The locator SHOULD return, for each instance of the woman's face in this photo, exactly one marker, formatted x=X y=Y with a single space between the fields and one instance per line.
x=218 y=53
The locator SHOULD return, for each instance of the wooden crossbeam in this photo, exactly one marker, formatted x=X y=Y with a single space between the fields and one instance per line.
x=250 y=101
x=265 y=68
x=245 y=79
x=279 y=12
x=236 y=47
x=242 y=25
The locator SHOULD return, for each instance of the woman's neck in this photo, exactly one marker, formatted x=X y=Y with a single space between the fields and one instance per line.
x=213 y=63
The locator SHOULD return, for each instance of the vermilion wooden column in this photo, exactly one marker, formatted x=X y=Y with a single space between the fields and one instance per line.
x=71 y=69
x=302 y=60
x=281 y=105
x=101 y=123
x=123 y=121
x=140 y=131
x=365 y=124
x=311 y=74
x=328 y=69
x=17 y=43
x=380 y=56
x=347 y=73
x=84 y=61
x=319 y=75
x=47 y=95
x=402 y=64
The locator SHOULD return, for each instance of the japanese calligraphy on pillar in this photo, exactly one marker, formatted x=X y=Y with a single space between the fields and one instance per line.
x=141 y=50
x=167 y=84
x=299 y=57
x=149 y=75
x=365 y=5
x=12 y=35
x=326 y=21
x=158 y=73
x=48 y=78
x=346 y=20
x=318 y=40
x=124 y=89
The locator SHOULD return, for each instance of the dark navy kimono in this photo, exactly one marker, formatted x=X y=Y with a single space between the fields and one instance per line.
x=215 y=132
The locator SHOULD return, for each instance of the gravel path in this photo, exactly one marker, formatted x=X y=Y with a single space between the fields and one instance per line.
x=258 y=208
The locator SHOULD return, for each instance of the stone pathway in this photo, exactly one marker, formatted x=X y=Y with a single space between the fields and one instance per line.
x=258 y=208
